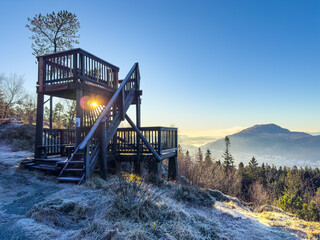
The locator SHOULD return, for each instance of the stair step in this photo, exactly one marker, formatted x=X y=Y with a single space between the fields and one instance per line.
x=76 y=162
x=74 y=169
x=29 y=164
x=69 y=179
x=44 y=167
x=79 y=153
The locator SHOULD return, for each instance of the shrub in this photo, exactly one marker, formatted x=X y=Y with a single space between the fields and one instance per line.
x=304 y=211
x=59 y=212
x=290 y=203
x=313 y=212
x=134 y=198
x=20 y=137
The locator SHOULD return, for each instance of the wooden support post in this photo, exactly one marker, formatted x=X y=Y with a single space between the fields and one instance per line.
x=103 y=150
x=87 y=161
x=173 y=168
x=118 y=165
x=155 y=167
x=39 y=126
x=136 y=163
x=51 y=108
x=40 y=103
x=79 y=117
x=114 y=152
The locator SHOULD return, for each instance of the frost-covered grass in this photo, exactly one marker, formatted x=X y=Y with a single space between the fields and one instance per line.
x=278 y=218
x=36 y=206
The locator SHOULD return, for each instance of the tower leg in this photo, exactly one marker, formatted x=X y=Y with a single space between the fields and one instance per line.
x=39 y=126
x=173 y=168
x=155 y=167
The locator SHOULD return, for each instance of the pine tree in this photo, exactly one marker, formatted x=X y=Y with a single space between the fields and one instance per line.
x=253 y=169
x=208 y=159
x=199 y=156
x=228 y=159
x=253 y=164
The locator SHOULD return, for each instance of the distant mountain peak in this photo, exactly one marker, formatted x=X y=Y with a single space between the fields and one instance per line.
x=270 y=128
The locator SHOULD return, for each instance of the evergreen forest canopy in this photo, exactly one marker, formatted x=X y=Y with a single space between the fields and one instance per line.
x=295 y=190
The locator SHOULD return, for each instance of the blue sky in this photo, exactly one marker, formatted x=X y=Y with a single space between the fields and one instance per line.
x=210 y=68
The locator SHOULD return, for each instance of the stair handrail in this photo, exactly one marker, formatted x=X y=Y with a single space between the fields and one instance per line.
x=85 y=141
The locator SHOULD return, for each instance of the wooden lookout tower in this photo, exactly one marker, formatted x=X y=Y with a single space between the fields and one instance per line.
x=102 y=101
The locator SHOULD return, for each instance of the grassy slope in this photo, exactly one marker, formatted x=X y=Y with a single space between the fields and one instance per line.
x=35 y=206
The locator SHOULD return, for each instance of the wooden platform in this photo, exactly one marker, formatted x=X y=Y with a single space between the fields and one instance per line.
x=101 y=103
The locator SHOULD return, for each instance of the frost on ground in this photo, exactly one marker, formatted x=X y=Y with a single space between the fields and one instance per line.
x=36 y=206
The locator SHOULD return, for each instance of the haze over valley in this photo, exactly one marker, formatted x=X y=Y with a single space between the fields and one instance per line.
x=268 y=143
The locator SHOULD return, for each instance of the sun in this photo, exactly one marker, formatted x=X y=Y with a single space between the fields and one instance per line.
x=94 y=104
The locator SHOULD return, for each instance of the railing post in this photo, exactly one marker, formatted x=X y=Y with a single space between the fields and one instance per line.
x=115 y=79
x=159 y=141
x=75 y=65
x=176 y=139
x=61 y=142
x=82 y=70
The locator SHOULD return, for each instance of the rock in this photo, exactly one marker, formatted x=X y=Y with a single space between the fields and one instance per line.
x=219 y=196
x=269 y=208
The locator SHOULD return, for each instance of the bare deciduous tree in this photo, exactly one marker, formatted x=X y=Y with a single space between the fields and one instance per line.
x=258 y=194
x=13 y=92
x=27 y=109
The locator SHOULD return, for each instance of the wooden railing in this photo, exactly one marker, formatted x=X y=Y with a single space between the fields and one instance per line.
x=77 y=65
x=160 y=138
x=54 y=140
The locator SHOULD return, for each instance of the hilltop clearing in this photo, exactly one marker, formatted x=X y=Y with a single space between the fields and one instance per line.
x=35 y=206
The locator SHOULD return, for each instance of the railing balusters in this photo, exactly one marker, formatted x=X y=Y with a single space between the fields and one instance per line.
x=72 y=65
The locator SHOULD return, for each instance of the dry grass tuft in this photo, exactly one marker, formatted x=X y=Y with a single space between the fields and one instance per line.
x=57 y=212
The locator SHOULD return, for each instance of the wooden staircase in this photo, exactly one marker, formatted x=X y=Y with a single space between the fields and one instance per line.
x=83 y=161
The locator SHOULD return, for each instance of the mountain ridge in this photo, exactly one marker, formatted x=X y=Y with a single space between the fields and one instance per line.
x=269 y=142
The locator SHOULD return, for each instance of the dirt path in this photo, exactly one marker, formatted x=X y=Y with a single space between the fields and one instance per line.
x=20 y=190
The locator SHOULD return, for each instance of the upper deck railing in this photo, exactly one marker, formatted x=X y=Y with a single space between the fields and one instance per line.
x=76 y=65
